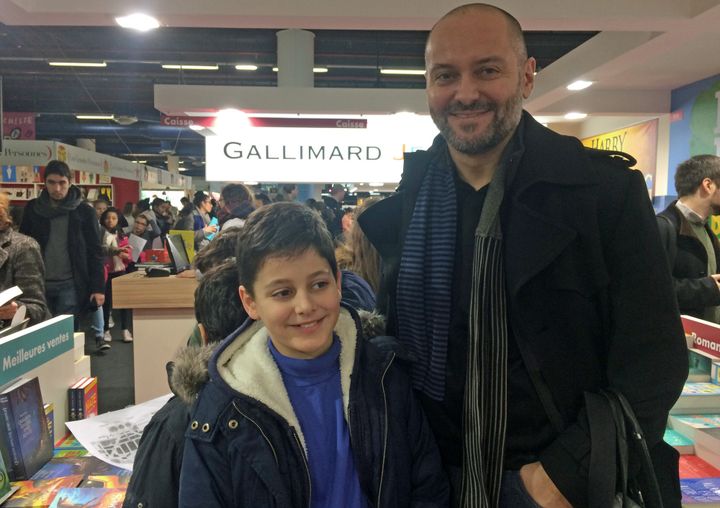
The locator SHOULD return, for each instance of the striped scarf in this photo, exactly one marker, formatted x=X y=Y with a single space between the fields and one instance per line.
x=423 y=303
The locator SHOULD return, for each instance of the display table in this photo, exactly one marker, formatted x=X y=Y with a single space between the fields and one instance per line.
x=163 y=319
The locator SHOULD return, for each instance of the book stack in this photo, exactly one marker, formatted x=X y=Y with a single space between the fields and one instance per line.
x=694 y=423
x=83 y=399
x=24 y=438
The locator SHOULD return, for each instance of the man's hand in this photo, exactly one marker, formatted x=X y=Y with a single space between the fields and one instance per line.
x=8 y=310
x=98 y=297
x=716 y=278
x=541 y=488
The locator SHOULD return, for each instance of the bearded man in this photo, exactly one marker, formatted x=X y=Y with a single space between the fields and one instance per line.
x=522 y=271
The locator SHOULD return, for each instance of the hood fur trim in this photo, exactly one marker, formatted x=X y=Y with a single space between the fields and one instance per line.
x=190 y=371
x=248 y=367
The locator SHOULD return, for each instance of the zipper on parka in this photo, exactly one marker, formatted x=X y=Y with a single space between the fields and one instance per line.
x=304 y=458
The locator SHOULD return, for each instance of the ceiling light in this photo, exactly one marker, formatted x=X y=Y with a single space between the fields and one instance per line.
x=77 y=64
x=376 y=184
x=246 y=67
x=191 y=67
x=575 y=115
x=195 y=127
x=579 y=85
x=183 y=169
x=275 y=69
x=404 y=72
x=320 y=70
x=138 y=21
x=95 y=117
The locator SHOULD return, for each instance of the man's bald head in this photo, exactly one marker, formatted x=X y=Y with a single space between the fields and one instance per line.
x=514 y=29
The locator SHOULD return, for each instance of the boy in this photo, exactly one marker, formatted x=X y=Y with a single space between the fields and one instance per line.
x=300 y=409
x=155 y=481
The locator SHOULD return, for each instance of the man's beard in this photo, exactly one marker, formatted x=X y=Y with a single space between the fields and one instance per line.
x=506 y=117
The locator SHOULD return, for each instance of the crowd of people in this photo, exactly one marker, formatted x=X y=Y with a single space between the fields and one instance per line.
x=434 y=348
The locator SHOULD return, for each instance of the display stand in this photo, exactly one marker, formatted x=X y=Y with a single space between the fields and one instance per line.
x=163 y=319
x=54 y=353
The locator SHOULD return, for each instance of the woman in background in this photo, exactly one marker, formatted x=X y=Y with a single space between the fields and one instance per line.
x=21 y=265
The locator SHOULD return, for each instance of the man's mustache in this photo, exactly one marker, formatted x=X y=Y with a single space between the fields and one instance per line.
x=459 y=107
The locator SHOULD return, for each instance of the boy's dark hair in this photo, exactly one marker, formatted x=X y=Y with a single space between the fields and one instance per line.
x=281 y=230
x=235 y=194
x=55 y=167
x=103 y=216
x=223 y=247
x=217 y=302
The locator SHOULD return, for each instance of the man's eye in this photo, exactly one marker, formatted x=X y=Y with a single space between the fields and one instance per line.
x=443 y=77
x=488 y=72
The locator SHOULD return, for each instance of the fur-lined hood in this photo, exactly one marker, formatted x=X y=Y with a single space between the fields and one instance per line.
x=190 y=365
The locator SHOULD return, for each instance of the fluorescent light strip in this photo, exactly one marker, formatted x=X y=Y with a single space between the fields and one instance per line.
x=316 y=70
x=246 y=67
x=191 y=67
x=95 y=117
x=403 y=72
x=78 y=64
x=575 y=115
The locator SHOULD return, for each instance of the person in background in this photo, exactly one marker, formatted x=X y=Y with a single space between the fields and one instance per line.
x=66 y=229
x=301 y=376
x=334 y=204
x=692 y=248
x=287 y=192
x=184 y=201
x=523 y=270
x=100 y=205
x=129 y=212
x=358 y=254
x=235 y=204
x=21 y=265
x=261 y=199
x=155 y=481
x=201 y=220
x=116 y=263
x=185 y=219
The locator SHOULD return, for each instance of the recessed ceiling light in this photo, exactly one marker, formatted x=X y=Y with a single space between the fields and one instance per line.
x=403 y=72
x=191 y=67
x=77 y=64
x=575 y=115
x=95 y=117
x=195 y=127
x=320 y=70
x=579 y=85
x=138 y=21
x=275 y=69
x=246 y=67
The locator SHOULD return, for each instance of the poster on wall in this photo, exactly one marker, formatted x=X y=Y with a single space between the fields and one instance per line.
x=18 y=125
x=638 y=140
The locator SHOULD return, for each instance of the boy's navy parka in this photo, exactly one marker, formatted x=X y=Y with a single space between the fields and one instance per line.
x=245 y=447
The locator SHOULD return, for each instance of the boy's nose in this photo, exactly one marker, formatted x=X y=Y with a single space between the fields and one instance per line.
x=303 y=303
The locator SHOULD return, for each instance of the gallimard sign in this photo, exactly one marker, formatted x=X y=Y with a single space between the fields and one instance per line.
x=270 y=154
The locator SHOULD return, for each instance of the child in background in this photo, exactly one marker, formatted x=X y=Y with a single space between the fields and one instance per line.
x=301 y=408
x=116 y=263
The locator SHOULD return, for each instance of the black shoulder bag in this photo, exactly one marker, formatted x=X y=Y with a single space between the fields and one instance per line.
x=617 y=446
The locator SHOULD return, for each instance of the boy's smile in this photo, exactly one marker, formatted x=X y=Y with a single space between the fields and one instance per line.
x=298 y=300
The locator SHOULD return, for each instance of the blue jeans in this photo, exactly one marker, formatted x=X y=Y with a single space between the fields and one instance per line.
x=98 y=323
x=61 y=297
x=513 y=493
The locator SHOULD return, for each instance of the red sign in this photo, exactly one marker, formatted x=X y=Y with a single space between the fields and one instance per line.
x=19 y=125
x=325 y=123
x=705 y=335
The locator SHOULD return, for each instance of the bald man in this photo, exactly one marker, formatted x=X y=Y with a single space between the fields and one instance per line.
x=522 y=270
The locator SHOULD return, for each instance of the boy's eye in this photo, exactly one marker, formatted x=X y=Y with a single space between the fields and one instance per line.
x=281 y=293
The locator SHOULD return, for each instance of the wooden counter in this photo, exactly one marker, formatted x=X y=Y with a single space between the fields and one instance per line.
x=163 y=319
x=136 y=291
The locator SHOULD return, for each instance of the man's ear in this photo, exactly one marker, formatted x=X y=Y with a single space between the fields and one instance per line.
x=528 y=77
x=248 y=303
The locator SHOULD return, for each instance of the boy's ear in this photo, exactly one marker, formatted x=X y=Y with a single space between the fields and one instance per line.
x=203 y=334
x=248 y=303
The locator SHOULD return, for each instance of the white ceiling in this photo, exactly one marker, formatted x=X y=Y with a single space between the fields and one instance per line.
x=647 y=48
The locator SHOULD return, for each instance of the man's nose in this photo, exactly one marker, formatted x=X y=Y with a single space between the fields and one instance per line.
x=468 y=89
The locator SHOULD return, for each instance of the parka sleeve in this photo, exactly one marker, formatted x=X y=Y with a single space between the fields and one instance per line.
x=646 y=352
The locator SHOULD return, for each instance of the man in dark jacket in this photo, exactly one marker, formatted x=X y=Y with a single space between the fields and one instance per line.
x=67 y=231
x=522 y=270
x=693 y=249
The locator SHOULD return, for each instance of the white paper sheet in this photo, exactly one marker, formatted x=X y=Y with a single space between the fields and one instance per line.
x=137 y=243
x=113 y=437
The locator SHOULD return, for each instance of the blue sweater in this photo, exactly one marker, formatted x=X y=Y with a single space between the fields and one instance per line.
x=316 y=396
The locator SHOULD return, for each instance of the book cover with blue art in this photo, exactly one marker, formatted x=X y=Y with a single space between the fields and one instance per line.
x=89 y=498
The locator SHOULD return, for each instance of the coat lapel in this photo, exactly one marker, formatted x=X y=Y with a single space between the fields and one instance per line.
x=535 y=232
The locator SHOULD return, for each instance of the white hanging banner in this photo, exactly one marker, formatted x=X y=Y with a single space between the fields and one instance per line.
x=296 y=154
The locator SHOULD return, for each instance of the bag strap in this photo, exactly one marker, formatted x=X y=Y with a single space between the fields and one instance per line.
x=602 y=476
x=651 y=489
